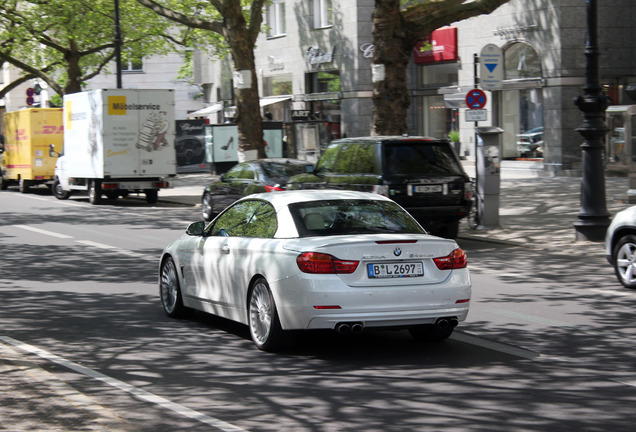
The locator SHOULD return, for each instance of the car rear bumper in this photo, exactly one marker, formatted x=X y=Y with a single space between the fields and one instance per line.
x=327 y=301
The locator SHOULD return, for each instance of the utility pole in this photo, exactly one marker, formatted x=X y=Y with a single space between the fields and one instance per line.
x=593 y=218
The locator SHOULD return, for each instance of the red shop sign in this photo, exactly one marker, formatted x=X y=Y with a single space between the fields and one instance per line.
x=440 y=46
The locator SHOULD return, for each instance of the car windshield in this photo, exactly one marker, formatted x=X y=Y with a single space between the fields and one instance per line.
x=425 y=159
x=336 y=217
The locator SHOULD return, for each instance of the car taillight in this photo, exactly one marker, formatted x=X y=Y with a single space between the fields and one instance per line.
x=273 y=188
x=455 y=260
x=315 y=262
x=468 y=191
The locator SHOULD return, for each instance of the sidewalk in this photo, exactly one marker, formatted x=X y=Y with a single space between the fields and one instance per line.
x=539 y=212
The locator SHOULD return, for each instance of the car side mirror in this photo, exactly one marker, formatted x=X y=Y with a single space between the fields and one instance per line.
x=196 y=229
x=52 y=151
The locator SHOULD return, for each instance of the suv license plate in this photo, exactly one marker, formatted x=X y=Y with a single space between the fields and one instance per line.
x=395 y=270
x=427 y=189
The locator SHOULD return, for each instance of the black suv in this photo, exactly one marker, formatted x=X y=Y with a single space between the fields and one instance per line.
x=423 y=175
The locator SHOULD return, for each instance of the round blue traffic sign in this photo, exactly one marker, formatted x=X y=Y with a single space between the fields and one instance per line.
x=476 y=99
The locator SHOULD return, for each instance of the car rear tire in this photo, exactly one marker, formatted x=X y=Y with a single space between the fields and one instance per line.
x=451 y=230
x=264 y=324
x=95 y=192
x=24 y=185
x=58 y=192
x=152 y=195
x=430 y=333
x=170 y=290
x=624 y=259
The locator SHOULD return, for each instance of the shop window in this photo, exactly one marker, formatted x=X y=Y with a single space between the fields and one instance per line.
x=521 y=61
x=322 y=13
x=439 y=75
x=276 y=18
x=277 y=85
x=323 y=82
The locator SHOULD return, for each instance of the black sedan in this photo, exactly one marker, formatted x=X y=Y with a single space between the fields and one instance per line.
x=262 y=175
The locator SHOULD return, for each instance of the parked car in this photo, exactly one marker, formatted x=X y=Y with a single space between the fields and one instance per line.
x=301 y=260
x=423 y=175
x=263 y=175
x=620 y=246
x=530 y=143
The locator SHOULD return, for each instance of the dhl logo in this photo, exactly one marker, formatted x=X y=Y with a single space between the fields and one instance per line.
x=51 y=130
x=22 y=135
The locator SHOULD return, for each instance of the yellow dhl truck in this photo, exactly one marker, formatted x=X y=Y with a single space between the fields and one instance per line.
x=25 y=159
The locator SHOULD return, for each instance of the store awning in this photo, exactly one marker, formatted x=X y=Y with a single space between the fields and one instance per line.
x=212 y=109
x=269 y=100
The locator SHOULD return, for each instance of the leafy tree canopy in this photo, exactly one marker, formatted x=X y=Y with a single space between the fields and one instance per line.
x=67 y=42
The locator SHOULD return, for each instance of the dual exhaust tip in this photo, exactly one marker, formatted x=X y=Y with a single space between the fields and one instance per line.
x=358 y=327
x=446 y=323
x=350 y=327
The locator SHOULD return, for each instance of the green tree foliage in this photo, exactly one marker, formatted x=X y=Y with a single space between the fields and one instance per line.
x=67 y=42
x=238 y=23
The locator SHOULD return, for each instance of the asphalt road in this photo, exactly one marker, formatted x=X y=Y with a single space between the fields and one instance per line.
x=84 y=343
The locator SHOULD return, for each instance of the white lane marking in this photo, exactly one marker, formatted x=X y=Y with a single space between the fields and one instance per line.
x=629 y=382
x=496 y=346
x=41 y=231
x=114 y=249
x=121 y=385
x=100 y=413
x=613 y=292
x=505 y=348
x=531 y=318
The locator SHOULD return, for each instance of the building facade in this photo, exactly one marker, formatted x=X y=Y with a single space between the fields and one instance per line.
x=315 y=73
x=314 y=64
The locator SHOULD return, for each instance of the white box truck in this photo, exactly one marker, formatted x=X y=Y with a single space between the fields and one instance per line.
x=116 y=141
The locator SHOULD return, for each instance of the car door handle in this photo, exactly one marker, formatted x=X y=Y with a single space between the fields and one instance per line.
x=225 y=249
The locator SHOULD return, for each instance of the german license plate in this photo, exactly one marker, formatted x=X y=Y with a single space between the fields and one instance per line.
x=395 y=270
x=427 y=188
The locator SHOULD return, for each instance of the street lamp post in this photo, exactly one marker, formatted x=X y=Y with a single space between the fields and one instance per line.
x=118 y=44
x=593 y=218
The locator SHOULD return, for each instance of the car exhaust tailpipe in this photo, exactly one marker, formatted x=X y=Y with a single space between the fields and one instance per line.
x=343 y=328
x=445 y=323
x=357 y=328
x=354 y=327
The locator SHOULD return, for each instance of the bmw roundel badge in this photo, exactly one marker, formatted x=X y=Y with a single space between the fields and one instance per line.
x=397 y=252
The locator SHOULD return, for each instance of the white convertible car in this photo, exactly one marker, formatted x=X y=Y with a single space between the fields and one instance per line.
x=317 y=259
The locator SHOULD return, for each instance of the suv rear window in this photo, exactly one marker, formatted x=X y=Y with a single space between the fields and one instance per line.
x=420 y=158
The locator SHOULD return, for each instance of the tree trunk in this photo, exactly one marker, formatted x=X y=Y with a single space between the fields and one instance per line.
x=392 y=53
x=73 y=70
x=248 y=118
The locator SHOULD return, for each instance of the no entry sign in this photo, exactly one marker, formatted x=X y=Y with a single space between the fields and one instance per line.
x=476 y=99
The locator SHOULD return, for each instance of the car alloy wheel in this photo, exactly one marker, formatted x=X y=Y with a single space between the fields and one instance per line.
x=624 y=258
x=169 y=289
x=265 y=327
